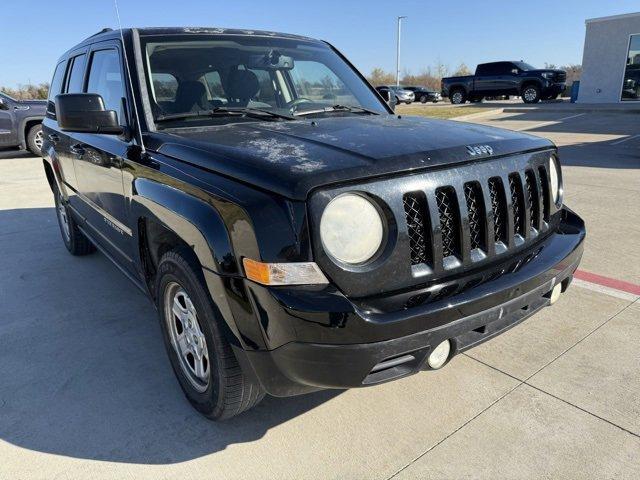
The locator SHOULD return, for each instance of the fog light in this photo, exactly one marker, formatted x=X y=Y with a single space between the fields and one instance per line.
x=439 y=355
x=555 y=293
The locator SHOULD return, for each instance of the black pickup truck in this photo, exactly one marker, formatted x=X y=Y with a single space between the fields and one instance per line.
x=505 y=78
x=20 y=123
x=294 y=233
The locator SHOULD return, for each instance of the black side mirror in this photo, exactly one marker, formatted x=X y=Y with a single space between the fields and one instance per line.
x=85 y=113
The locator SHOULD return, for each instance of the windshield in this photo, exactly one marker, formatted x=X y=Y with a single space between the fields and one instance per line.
x=3 y=94
x=525 y=67
x=208 y=80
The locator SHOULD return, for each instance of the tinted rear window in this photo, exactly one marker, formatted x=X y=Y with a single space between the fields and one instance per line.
x=76 y=76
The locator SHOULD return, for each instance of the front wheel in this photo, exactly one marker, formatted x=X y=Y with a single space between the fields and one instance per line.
x=34 y=140
x=531 y=94
x=423 y=99
x=201 y=357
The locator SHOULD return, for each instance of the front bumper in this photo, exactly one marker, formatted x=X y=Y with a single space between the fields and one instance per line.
x=555 y=88
x=322 y=340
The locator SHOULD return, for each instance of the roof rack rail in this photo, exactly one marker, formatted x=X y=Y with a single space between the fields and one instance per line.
x=104 y=30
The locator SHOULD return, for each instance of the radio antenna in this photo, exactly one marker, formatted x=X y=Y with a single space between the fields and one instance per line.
x=126 y=64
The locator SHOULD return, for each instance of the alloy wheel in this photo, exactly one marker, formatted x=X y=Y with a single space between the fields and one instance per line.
x=187 y=338
x=38 y=140
x=530 y=94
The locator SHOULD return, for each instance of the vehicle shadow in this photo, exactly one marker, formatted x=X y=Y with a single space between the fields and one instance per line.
x=601 y=140
x=15 y=153
x=83 y=371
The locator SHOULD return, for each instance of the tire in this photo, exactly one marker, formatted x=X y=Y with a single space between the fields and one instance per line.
x=201 y=357
x=458 y=96
x=34 y=140
x=531 y=94
x=75 y=241
x=423 y=99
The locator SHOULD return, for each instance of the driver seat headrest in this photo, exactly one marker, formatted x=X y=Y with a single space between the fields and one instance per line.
x=242 y=85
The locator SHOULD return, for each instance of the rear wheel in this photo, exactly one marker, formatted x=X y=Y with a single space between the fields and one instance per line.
x=34 y=139
x=458 y=96
x=75 y=241
x=531 y=94
x=423 y=99
x=200 y=355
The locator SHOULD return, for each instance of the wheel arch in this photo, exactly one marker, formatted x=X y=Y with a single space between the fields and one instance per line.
x=25 y=125
x=169 y=218
x=529 y=82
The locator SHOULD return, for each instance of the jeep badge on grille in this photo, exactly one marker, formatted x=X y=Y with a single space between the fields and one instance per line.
x=475 y=150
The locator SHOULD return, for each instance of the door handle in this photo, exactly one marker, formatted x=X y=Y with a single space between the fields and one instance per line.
x=77 y=150
x=53 y=138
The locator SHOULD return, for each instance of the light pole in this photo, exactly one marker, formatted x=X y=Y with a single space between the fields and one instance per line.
x=398 y=52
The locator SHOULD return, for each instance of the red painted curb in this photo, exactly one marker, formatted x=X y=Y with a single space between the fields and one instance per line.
x=608 y=282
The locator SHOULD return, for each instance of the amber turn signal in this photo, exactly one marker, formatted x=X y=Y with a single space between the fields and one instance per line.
x=299 y=273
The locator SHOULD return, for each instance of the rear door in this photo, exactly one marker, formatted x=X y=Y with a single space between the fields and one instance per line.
x=486 y=80
x=98 y=158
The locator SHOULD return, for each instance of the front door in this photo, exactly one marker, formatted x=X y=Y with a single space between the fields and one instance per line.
x=98 y=160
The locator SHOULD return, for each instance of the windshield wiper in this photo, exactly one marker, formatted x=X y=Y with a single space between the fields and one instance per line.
x=337 y=108
x=224 y=112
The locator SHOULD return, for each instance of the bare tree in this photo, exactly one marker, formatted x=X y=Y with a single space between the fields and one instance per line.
x=462 y=70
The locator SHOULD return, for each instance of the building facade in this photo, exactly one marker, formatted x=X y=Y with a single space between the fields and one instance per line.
x=611 y=60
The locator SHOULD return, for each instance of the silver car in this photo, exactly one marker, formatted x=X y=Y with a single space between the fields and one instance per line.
x=402 y=96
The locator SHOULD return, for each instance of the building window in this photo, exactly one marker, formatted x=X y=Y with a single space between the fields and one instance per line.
x=631 y=82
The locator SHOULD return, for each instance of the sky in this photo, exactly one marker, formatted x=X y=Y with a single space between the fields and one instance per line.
x=546 y=31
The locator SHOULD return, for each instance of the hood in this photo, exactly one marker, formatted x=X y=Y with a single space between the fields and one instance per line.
x=292 y=158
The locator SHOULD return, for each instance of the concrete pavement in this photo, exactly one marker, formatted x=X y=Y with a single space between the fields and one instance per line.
x=86 y=390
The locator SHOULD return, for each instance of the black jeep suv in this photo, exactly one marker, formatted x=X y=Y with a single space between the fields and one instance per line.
x=292 y=231
x=20 y=123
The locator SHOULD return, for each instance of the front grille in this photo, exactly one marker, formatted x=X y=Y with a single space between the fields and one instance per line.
x=415 y=210
x=449 y=220
x=475 y=207
x=460 y=231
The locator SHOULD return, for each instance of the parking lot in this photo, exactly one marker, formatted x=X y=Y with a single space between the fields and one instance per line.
x=87 y=391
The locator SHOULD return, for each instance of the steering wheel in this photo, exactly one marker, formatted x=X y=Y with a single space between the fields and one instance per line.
x=293 y=104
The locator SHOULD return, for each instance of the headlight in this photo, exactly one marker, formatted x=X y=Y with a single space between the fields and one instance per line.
x=554 y=178
x=548 y=75
x=351 y=229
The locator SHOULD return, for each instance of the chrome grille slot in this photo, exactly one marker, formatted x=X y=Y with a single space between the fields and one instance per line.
x=499 y=209
x=418 y=228
x=449 y=214
x=544 y=190
x=517 y=205
x=477 y=216
x=533 y=199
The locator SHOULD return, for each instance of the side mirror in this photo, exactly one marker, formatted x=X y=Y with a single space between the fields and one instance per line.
x=85 y=113
x=388 y=97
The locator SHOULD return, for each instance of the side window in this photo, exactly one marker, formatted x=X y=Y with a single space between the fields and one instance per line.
x=76 y=75
x=55 y=88
x=505 y=68
x=165 y=87
x=105 y=78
